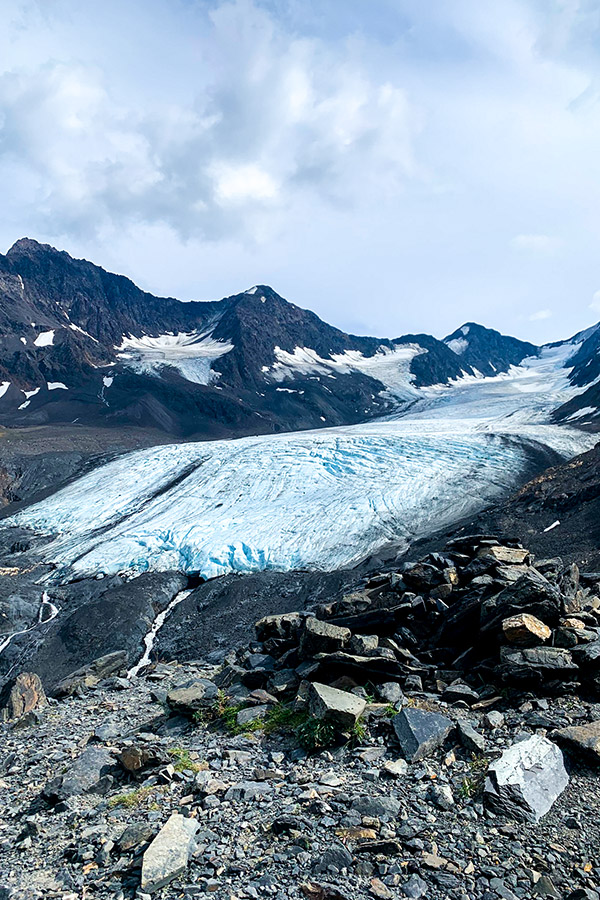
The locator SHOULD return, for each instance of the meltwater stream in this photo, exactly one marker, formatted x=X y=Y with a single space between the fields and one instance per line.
x=150 y=638
x=47 y=609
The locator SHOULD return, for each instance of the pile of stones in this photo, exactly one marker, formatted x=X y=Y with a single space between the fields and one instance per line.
x=461 y=625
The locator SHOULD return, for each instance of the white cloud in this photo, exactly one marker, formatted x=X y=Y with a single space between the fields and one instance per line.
x=278 y=117
x=595 y=304
x=540 y=315
x=367 y=159
x=536 y=243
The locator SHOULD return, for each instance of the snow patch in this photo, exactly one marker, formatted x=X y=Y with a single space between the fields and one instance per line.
x=23 y=340
x=107 y=380
x=4 y=387
x=551 y=527
x=150 y=637
x=584 y=411
x=44 y=339
x=458 y=345
x=191 y=353
x=74 y=327
x=57 y=385
x=390 y=366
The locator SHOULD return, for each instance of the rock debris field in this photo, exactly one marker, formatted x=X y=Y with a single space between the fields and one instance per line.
x=435 y=734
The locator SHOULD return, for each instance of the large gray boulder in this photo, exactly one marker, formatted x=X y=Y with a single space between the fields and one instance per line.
x=92 y=674
x=87 y=774
x=420 y=732
x=322 y=637
x=532 y=594
x=537 y=664
x=168 y=855
x=191 y=697
x=526 y=780
x=331 y=705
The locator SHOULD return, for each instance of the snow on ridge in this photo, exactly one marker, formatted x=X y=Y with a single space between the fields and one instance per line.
x=45 y=339
x=4 y=387
x=391 y=366
x=458 y=345
x=191 y=353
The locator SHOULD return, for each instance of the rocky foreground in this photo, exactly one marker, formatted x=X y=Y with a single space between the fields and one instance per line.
x=435 y=734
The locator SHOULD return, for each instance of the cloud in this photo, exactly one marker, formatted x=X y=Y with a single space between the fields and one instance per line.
x=595 y=304
x=540 y=315
x=278 y=117
x=367 y=159
x=536 y=243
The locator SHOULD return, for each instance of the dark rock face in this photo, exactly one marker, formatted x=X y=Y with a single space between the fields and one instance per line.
x=487 y=350
x=81 y=315
x=107 y=617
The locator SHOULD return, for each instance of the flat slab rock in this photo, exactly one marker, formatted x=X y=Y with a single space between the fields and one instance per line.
x=420 y=732
x=339 y=707
x=526 y=780
x=584 y=738
x=168 y=855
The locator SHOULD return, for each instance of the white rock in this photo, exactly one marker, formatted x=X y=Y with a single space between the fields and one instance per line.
x=167 y=856
x=526 y=780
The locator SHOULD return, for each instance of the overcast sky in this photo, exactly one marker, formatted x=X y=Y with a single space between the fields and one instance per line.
x=394 y=165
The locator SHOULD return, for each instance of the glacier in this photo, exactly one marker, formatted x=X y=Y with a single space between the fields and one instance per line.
x=319 y=499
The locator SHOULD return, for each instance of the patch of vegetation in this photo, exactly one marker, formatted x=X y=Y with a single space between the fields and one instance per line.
x=315 y=734
x=129 y=800
x=472 y=784
x=182 y=760
x=359 y=732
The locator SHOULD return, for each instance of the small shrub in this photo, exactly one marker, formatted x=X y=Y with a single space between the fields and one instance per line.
x=315 y=734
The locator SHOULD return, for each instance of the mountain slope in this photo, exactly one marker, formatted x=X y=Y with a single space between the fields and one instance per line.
x=487 y=350
x=82 y=345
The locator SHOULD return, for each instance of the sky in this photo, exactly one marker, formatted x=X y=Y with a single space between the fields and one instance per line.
x=397 y=166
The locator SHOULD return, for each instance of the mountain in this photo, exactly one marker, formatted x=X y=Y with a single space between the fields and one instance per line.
x=82 y=345
x=584 y=408
x=486 y=350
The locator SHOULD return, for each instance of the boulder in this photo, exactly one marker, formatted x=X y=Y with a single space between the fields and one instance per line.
x=363 y=643
x=92 y=674
x=526 y=780
x=339 y=707
x=572 y=595
x=470 y=739
x=390 y=692
x=525 y=630
x=532 y=593
x=537 y=664
x=588 y=655
x=87 y=774
x=510 y=556
x=21 y=695
x=286 y=627
x=459 y=691
x=583 y=738
x=420 y=732
x=322 y=637
x=168 y=855
x=191 y=697
x=138 y=757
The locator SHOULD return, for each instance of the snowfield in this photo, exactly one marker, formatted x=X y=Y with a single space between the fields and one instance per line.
x=192 y=354
x=320 y=499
